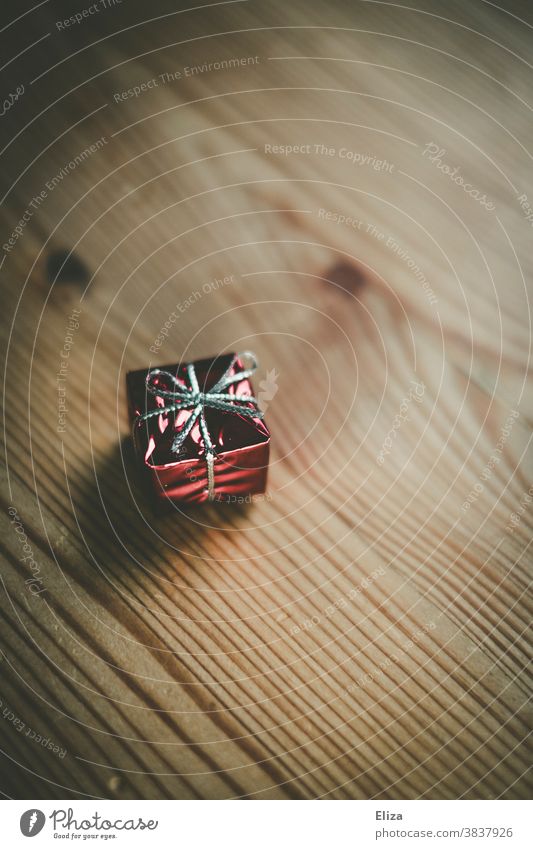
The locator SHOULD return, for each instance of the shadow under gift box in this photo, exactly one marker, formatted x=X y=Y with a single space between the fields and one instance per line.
x=242 y=443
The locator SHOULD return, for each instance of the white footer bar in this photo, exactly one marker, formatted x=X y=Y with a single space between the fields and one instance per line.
x=266 y=824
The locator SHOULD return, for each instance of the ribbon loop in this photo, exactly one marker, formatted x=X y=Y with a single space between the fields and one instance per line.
x=191 y=398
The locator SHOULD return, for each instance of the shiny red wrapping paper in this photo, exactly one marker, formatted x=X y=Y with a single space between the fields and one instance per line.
x=242 y=443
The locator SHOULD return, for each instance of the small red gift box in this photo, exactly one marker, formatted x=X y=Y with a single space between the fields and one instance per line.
x=197 y=431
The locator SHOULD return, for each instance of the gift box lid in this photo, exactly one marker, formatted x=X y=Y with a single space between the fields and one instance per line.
x=229 y=431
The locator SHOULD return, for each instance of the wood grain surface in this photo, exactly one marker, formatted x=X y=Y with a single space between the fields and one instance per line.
x=282 y=177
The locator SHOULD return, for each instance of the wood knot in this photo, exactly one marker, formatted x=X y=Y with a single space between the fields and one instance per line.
x=346 y=277
x=62 y=266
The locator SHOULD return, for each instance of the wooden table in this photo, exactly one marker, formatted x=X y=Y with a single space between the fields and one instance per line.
x=343 y=188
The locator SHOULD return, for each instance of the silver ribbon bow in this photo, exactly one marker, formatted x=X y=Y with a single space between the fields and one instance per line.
x=190 y=398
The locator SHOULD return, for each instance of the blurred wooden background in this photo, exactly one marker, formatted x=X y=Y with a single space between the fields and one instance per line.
x=360 y=632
